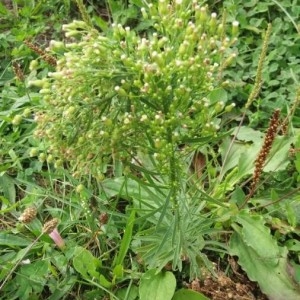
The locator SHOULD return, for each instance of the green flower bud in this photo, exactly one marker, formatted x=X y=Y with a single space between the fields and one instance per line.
x=213 y=23
x=58 y=163
x=45 y=91
x=17 y=120
x=33 y=152
x=80 y=188
x=229 y=108
x=203 y=15
x=120 y=91
x=163 y=7
x=55 y=45
x=144 y=13
x=38 y=83
x=235 y=29
x=50 y=158
x=42 y=157
x=56 y=75
x=71 y=33
x=33 y=65
x=219 y=106
x=26 y=112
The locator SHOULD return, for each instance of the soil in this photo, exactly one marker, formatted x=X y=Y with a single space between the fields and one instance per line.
x=235 y=287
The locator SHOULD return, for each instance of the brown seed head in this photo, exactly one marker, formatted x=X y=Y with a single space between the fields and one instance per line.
x=28 y=215
x=103 y=218
x=50 y=225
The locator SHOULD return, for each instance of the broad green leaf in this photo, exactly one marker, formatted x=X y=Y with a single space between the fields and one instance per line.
x=278 y=157
x=248 y=134
x=85 y=263
x=218 y=95
x=295 y=270
x=185 y=294
x=36 y=272
x=293 y=245
x=157 y=286
x=255 y=233
x=262 y=259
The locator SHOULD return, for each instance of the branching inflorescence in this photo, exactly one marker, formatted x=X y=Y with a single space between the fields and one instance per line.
x=118 y=93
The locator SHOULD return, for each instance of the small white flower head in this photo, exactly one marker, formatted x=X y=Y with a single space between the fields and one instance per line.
x=143 y=118
x=145 y=88
x=157 y=117
x=178 y=63
x=154 y=54
x=179 y=22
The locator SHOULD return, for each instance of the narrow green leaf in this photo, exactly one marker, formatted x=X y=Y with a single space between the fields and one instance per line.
x=126 y=240
x=8 y=187
x=100 y=22
x=118 y=271
x=12 y=240
x=104 y=282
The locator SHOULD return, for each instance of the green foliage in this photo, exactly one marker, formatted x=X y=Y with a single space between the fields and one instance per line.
x=261 y=257
x=185 y=294
x=148 y=94
x=158 y=286
x=133 y=149
x=281 y=72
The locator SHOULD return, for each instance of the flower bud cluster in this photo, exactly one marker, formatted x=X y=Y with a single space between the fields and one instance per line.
x=118 y=92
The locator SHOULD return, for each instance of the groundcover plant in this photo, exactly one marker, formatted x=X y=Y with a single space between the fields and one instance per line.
x=145 y=173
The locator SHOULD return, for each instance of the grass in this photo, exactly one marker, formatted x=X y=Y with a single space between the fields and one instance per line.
x=143 y=145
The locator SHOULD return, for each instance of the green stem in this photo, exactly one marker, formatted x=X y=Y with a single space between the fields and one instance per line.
x=173 y=170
